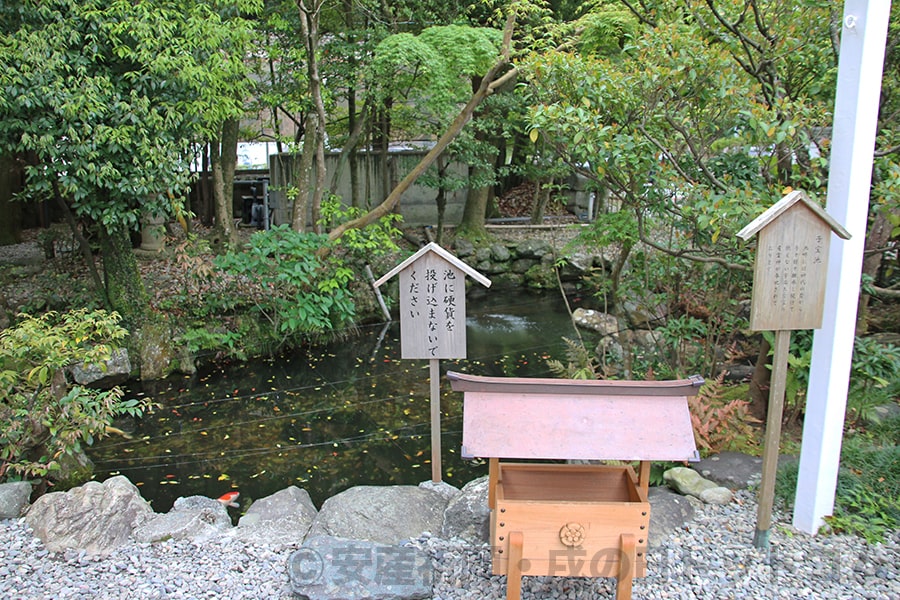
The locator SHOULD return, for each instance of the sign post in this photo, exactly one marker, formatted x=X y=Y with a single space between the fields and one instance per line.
x=788 y=293
x=433 y=320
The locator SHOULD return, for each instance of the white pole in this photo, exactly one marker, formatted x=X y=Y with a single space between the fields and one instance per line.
x=864 y=31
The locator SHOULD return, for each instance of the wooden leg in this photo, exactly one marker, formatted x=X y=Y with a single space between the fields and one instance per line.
x=626 y=567
x=514 y=570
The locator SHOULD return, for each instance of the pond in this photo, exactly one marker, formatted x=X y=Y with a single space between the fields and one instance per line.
x=329 y=417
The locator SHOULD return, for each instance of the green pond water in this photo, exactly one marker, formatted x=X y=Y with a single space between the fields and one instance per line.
x=328 y=417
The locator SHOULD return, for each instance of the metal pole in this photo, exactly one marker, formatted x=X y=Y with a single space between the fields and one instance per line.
x=864 y=31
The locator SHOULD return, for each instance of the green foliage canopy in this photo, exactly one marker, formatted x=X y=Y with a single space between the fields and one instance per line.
x=105 y=99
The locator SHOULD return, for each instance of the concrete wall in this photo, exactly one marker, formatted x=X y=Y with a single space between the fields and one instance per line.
x=417 y=206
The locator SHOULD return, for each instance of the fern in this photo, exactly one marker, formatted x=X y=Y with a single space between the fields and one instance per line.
x=720 y=425
x=580 y=364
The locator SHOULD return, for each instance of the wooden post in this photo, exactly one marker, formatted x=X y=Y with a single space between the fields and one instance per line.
x=773 y=438
x=384 y=310
x=863 y=33
x=435 y=375
x=433 y=320
x=794 y=236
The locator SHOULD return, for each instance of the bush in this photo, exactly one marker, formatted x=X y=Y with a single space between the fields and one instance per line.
x=281 y=277
x=867 y=499
x=42 y=416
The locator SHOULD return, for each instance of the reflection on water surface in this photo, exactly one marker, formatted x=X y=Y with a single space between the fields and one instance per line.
x=328 y=417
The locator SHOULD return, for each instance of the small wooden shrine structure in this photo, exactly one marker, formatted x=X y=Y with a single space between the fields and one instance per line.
x=577 y=520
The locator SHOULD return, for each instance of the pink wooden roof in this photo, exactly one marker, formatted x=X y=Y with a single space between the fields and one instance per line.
x=576 y=419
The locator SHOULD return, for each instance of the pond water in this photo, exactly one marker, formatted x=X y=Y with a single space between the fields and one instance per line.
x=328 y=417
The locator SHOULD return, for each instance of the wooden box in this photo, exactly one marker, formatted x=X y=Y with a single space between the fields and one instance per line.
x=574 y=515
x=582 y=520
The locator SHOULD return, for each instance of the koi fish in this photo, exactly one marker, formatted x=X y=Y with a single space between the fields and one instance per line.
x=229 y=499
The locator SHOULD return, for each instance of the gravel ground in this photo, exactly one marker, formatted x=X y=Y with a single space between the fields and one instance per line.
x=711 y=558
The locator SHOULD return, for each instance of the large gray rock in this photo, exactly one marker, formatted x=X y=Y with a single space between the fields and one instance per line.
x=600 y=322
x=113 y=371
x=281 y=519
x=441 y=487
x=690 y=483
x=95 y=517
x=669 y=512
x=196 y=518
x=331 y=568
x=467 y=516
x=386 y=515
x=13 y=498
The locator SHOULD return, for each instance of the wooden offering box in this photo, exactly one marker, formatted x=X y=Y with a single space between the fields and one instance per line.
x=575 y=520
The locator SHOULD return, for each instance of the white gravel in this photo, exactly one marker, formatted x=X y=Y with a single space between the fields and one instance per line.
x=712 y=558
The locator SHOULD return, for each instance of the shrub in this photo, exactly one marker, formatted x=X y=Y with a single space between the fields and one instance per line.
x=42 y=416
x=281 y=277
x=719 y=423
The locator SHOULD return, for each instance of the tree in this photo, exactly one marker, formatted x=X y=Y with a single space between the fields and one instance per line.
x=103 y=101
x=42 y=417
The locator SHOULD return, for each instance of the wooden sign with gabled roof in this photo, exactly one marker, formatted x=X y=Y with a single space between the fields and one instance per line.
x=791 y=263
x=433 y=320
x=788 y=293
x=433 y=303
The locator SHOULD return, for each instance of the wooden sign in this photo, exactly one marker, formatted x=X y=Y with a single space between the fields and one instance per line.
x=791 y=264
x=433 y=303
x=433 y=320
x=788 y=293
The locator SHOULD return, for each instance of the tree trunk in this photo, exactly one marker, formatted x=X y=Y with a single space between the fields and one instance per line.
x=124 y=287
x=309 y=24
x=223 y=159
x=878 y=236
x=489 y=84
x=301 y=199
x=10 y=224
x=472 y=224
x=759 y=383
x=541 y=199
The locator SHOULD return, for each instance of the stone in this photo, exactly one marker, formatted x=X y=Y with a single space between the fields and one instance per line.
x=112 y=372
x=690 y=483
x=463 y=248
x=716 y=495
x=283 y=518
x=602 y=323
x=196 y=518
x=523 y=265
x=467 y=516
x=14 y=498
x=330 y=568
x=95 y=517
x=736 y=373
x=731 y=469
x=74 y=469
x=158 y=353
x=642 y=316
x=483 y=255
x=648 y=339
x=533 y=248
x=499 y=253
x=441 y=487
x=669 y=512
x=382 y=514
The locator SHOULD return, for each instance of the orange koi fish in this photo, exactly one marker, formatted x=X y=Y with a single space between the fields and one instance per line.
x=229 y=499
